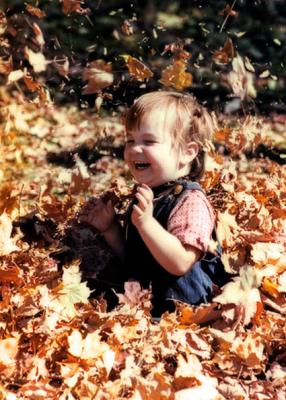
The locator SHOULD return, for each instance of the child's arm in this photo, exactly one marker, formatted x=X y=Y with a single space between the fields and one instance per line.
x=166 y=248
x=101 y=216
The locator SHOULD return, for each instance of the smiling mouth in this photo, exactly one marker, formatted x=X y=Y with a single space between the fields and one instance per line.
x=141 y=165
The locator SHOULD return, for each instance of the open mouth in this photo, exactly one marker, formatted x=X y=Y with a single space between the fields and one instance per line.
x=141 y=165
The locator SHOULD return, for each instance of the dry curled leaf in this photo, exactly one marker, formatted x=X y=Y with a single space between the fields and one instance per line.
x=225 y=54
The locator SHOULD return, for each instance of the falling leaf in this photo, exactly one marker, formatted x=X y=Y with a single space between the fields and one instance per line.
x=39 y=37
x=127 y=27
x=264 y=74
x=71 y=6
x=37 y=60
x=31 y=84
x=35 y=11
x=225 y=54
x=228 y=11
x=6 y=66
x=240 y=80
x=14 y=76
x=99 y=76
x=176 y=76
x=137 y=69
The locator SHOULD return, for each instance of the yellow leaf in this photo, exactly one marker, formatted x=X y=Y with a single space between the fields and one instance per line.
x=137 y=69
x=175 y=75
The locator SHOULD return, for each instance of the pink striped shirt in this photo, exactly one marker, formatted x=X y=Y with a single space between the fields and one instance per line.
x=192 y=220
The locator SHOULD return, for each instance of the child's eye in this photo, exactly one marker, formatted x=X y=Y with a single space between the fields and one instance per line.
x=149 y=141
x=128 y=141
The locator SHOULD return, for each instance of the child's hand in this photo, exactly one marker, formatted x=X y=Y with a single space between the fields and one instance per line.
x=98 y=214
x=143 y=210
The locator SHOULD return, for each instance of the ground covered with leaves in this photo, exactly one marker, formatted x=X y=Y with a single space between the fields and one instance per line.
x=57 y=343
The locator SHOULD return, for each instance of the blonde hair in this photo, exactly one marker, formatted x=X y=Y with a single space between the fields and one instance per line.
x=192 y=122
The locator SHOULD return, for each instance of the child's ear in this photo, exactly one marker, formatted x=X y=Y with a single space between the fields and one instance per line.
x=189 y=153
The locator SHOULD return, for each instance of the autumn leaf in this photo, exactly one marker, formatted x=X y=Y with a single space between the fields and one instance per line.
x=35 y=11
x=225 y=54
x=137 y=69
x=62 y=298
x=99 y=76
x=36 y=59
x=176 y=76
x=243 y=291
x=6 y=243
x=71 y=6
x=6 y=66
x=15 y=76
x=240 y=80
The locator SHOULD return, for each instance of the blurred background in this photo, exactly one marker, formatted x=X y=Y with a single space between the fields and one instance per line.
x=230 y=54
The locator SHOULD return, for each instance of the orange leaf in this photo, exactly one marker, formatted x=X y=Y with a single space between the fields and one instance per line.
x=224 y=55
x=32 y=86
x=270 y=287
x=137 y=69
x=222 y=134
x=70 y=6
x=35 y=11
x=6 y=66
x=175 y=75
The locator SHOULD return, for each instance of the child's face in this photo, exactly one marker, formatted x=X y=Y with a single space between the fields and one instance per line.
x=150 y=153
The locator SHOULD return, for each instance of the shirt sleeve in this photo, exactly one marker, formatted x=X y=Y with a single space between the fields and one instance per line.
x=192 y=220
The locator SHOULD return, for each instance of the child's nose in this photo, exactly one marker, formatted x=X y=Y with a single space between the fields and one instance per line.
x=137 y=148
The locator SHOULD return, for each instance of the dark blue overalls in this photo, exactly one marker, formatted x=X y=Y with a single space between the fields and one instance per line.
x=196 y=286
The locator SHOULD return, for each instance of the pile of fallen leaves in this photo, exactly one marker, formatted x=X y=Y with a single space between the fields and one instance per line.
x=56 y=343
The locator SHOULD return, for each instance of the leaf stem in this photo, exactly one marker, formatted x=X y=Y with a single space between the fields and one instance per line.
x=226 y=18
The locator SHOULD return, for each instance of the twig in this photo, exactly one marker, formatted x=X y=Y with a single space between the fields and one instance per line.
x=226 y=18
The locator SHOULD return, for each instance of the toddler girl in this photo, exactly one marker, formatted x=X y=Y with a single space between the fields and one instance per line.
x=168 y=225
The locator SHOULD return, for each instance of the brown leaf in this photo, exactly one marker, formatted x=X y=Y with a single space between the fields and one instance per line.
x=228 y=11
x=71 y=6
x=6 y=66
x=99 y=76
x=175 y=75
x=35 y=11
x=137 y=69
x=31 y=84
x=226 y=54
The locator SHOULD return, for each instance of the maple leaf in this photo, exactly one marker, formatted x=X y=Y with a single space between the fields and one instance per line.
x=62 y=299
x=137 y=69
x=133 y=294
x=99 y=76
x=175 y=75
x=6 y=242
x=243 y=291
